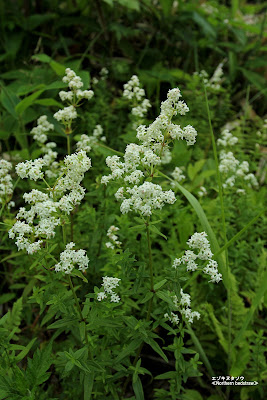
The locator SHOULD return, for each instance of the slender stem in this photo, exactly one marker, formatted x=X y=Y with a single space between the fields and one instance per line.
x=78 y=306
x=150 y=258
x=225 y=237
x=71 y=226
x=68 y=143
x=109 y=148
x=149 y=304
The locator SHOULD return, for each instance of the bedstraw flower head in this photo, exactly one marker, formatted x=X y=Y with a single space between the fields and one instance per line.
x=69 y=258
x=182 y=306
x=43 y=126
x=199 y=241
x=6 y=184
x=109 y=283
x=113 y=238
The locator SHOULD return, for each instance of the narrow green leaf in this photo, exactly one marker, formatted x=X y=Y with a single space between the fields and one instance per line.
x=88 y=382
x=212 y=238
x=25 y=351
x=154 y=229
x=79 y=274
x=131 y=348
x=255 y=303
x=62 y=323
x=156 y=347
x=167 y=375
x=160 y=284
x=138 y=389
x=147 y=297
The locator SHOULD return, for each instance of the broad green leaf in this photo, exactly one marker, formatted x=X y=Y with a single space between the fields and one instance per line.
x=58 y=68
x=85 y=77
x=27 y=102
x=42 y=58
x=9 y=100
x=48 y=102
x=4 y=134
x=204 y=24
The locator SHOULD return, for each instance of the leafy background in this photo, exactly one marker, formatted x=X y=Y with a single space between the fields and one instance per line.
x=164 y=43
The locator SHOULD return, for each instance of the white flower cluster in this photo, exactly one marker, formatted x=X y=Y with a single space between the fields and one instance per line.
x=109 y=283
x=6 y=184
x=144 y=198
x=178 y=176
x=31 y=169
x=141 y=160
x=43 y=126
x=75 y=83
x=183 y=306
x=40 y=221
x=227 y=139
x=114 y=242
x=73 y=96
x=162 y=129
x=103 y=73
x=133 y=91
x=49 y=158
x=215 y=81
x=36 y=224
x=199 y=242
x=202 y=191
x=69 y=258
x=231 y=168
x=68 y=186
x=86 y=142
x=66 y=115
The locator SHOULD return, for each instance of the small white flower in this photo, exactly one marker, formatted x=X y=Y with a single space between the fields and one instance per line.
x=69 y=258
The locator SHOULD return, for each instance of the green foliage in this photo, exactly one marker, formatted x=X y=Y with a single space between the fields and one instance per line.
x=57 y=341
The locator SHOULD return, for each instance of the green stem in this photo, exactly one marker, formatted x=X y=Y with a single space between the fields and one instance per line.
x=224 y=234
x=68 y=143
x=150 y=258
x=149 y=304
x=78 y=306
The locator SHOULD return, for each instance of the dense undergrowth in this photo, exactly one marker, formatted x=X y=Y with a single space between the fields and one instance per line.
x=132 y=212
